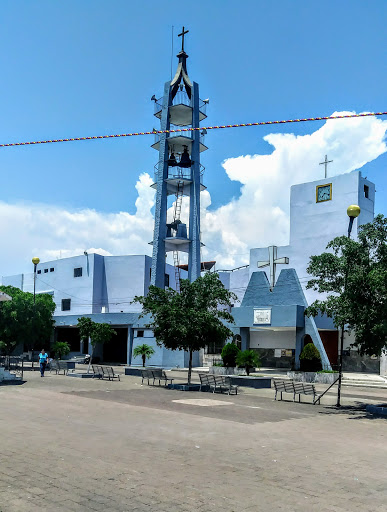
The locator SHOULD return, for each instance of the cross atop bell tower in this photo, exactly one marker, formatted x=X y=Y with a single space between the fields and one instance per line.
x=178 y=173
x=183 y=32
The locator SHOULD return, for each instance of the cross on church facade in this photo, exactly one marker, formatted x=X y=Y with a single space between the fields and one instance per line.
x=326 y=162
x=272 y=263
x=183 y=32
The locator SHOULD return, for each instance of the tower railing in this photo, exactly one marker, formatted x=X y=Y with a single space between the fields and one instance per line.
x=181 y=98
x=177 y=172
x=178 y=133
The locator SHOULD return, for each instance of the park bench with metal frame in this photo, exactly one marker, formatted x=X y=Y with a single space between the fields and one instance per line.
x=107 y=371
x=146 y=374
x=295 y=388
x=283 y=386
x=160 y=375
x=97 y=371
x=216 y=383
x=58 y=366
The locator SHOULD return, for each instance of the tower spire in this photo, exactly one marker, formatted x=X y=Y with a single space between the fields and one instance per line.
x=181 y=72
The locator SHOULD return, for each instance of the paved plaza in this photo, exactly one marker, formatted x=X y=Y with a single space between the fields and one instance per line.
x=72 y=444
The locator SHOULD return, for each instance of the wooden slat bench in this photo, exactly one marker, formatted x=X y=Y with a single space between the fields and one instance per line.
x=304 y=388
x=59 y=366
x=97 y=371
x=146 y=374
x=207 y=382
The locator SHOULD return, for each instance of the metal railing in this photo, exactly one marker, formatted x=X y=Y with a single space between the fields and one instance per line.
x=13 y=364
x=181 y=98
x=177 y=172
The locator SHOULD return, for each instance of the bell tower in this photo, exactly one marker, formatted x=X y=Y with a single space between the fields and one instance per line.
x=178 y=173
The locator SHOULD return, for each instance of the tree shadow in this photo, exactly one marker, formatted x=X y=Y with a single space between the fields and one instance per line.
x=353 y=412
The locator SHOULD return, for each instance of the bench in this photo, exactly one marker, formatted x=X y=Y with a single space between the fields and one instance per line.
x=283 y=386
x=146 y=374
x=160 y=375
x=97 y=371
x=59 y=366
x=305 y=388
x=217 y=383
x=107 y=371
x=206 y=381
x=295 y=388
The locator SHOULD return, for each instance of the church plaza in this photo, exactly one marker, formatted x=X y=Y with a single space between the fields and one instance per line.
x=88 y=445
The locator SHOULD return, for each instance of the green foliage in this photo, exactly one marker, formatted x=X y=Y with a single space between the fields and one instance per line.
x=145 y=351
x=23 y=322
x=229 y=354
x=248 y=359
x=99 y=333
x=354 y=275
x=191 y=319
x=60 y=349
x=310 y=359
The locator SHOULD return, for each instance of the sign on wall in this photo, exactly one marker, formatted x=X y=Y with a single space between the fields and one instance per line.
x=262 y=316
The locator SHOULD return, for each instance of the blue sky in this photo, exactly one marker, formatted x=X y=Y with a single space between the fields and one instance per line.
x=85 y=68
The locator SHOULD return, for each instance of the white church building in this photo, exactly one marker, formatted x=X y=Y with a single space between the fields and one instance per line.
x=269 y=316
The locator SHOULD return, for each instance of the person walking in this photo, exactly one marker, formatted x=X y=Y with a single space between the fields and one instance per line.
x=43 y=357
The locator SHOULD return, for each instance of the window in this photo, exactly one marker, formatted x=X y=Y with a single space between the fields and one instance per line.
x=52 y=269
x=39 y=271
x=45 y=270
x=78 y=272
x=166 y=280
x=366 y=191
x=66 y=304
x=140 y=334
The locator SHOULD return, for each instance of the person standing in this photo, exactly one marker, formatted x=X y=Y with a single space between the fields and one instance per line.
x=43 y=357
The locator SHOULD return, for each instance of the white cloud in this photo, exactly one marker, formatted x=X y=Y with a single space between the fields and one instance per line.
x=259 y=217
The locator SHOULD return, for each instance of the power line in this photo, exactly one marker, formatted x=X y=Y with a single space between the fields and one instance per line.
x=155 y=132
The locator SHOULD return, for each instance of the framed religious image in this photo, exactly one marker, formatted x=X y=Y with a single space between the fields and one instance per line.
x=262 y=316
x=323 y=193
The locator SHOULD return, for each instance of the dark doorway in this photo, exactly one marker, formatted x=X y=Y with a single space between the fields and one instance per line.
x=115 y=351
x=71 y=335
x=330 y=341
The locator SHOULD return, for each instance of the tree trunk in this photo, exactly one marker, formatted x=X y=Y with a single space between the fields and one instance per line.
x=91 y=358
x=248 y=370
x=190 y=366
x=143 y=360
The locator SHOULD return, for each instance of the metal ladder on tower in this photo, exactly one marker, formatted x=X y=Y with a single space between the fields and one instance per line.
x=176 y=216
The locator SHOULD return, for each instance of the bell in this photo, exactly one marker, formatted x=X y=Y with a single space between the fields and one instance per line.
x=172 y=162
x=185 y=160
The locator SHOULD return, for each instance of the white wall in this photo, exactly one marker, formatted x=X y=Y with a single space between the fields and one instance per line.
x=273 y=339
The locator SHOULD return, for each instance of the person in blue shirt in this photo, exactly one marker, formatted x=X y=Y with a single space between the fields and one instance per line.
x=42 y=361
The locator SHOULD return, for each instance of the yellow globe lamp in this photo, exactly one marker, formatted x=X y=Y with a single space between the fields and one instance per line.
x=35 y=260
x=353 y=211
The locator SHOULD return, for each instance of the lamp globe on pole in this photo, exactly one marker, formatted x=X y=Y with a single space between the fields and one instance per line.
x=353 y=211
x=35 y=261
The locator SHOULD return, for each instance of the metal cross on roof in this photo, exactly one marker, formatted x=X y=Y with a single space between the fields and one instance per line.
x=272 y=263
x=183 y=32
x=326 y=162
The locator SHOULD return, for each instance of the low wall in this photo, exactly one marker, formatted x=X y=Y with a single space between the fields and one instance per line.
x=251 y=382
x=321 y=378
x=222 y=370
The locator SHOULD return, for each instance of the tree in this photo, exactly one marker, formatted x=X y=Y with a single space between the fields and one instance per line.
x=22 y=321
x=60 y=348
x=229 y=354
x=145 y=351
x=98 y=333
x=191 y=319
x=248 y=359
x=310 y=359
x=354 y=275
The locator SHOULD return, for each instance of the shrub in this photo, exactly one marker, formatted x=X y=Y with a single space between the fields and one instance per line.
x=60 y=349
x=248 y=359
x=310 y=359
x=229 y=354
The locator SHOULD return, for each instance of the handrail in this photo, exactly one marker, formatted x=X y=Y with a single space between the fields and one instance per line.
x=320 y=396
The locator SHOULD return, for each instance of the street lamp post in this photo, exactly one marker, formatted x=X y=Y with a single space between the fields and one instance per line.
x=35 y=261
x=353 y=211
